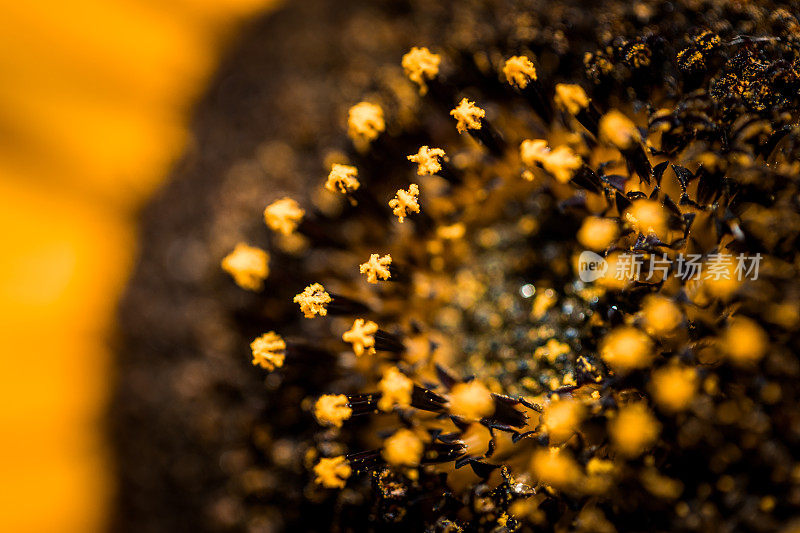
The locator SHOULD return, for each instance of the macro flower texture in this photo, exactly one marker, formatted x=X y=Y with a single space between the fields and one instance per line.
x=403 y=334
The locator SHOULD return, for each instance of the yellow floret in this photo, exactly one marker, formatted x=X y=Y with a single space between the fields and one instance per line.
x=661 y=315
x=365 y=122
x=599 y=467
x=626 y=348
x=313 y=300
x=452 y=232
x=561 y=419
x=551 y=350
x=674 y=387
x=404 y=448
x=283 y=216
x=248 y=265
x=472 y=400
x=332 y=472
x=647 y=216
x=720 y=277
x=597 y=233
x=561 y=162
x=405 y=201
x=376 y=267
x=634 y=429
x=619 y=130
x=361 y=336
x=428 y=160
x=619 y=274
x=269 y=351
x=519 y=71
x=744 y=341
x=342 y=178
x=395 y=390
x=420 y=64
x=572 y=98
x=332 y=410
x=468 y=116
x=555 y=467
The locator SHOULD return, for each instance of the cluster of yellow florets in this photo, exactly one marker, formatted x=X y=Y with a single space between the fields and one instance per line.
x=574 y=388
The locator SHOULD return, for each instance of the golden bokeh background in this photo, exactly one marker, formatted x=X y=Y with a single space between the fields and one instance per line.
x=95 y=102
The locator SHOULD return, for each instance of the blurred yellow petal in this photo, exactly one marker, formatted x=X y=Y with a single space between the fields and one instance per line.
x=95 y=106
x=64 y=262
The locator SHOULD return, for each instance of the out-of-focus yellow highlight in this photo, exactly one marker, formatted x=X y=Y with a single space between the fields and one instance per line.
x=63 y=263
x=93 y=109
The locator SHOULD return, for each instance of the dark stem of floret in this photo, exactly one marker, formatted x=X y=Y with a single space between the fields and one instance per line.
x=449 y=173
x=342 y=305
x=490 y=137
x=398 y=273
x=589 y=118
x=363 y=404
x=534 y=93
x=389 y=342
x=320 y=232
